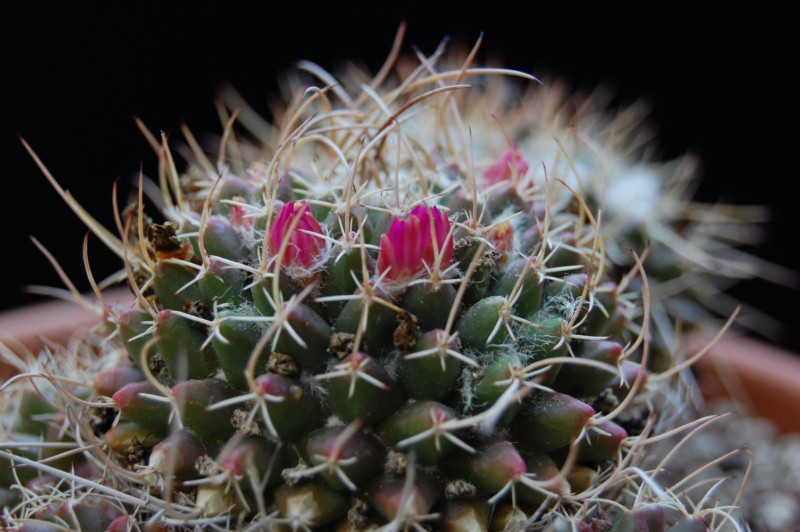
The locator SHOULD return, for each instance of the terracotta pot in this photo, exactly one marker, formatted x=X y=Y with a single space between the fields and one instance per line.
x=761 y=377
x=56 y=321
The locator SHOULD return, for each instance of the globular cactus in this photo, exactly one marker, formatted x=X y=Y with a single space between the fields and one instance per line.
x=408 y=303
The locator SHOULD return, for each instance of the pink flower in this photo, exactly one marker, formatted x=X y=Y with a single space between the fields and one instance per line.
x=304 y=250
x=501 y=170
x=409 y=244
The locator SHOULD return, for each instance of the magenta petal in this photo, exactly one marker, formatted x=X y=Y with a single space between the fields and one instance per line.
x=386 y=258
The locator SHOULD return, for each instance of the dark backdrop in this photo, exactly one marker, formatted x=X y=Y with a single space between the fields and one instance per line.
x=75 y=77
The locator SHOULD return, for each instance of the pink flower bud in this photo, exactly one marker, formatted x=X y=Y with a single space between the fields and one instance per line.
x=410 y=243
x=238 y=216
x=503 y=239
x=304 y=249
x=501 y=170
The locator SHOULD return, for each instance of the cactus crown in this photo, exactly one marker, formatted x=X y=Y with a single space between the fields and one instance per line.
x=386 y=308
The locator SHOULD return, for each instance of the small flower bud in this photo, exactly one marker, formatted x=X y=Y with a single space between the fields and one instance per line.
x=414 y=242
x=305 y=247
x=512 y=164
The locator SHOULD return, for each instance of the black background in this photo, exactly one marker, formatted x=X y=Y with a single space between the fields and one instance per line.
x=73 y=78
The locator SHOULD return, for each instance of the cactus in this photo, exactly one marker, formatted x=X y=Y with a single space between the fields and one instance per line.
x=387 y=311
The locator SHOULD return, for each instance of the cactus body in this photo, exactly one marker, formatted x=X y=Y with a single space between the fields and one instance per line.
x=374 y=321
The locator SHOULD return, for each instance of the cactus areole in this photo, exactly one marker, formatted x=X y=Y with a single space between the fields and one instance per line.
x=402 y=305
